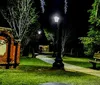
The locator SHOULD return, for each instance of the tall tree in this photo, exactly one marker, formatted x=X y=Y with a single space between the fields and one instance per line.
x=20 y=15
x=91 y=42
x=66 y=35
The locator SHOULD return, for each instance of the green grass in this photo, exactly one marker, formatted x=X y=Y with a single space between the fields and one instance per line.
x=83 y=62
x=34 y=72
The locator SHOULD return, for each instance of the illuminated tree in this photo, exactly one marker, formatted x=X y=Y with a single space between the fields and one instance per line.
x=92 y=41
x=42 y=5
x=20 y=15
x=66 y=35
x=49 y=35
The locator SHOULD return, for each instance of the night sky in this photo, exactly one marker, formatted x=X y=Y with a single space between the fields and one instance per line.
x=76 y=16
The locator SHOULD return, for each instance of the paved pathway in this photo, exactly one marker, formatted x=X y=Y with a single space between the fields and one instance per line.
x=54 y=83
x=69 y=67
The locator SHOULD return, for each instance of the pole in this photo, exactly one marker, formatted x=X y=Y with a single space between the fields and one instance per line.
x=58 y=64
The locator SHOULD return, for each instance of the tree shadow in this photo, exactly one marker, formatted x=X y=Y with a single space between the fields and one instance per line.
x=48 y=71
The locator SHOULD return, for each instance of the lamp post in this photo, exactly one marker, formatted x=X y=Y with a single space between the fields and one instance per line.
x=39 y=32
x=58 y=61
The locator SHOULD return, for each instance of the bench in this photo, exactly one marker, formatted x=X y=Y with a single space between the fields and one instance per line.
x=96 y=59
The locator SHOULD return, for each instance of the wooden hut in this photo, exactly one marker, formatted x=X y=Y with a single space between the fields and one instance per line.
x=9 y=48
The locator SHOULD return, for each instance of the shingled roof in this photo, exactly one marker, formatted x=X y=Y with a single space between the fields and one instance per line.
x=5 y=29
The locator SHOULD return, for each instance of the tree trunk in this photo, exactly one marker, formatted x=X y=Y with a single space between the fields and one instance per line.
x=33 y=53
x=71 y=51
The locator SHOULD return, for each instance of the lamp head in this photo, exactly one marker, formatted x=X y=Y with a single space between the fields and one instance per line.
x=56 y=18
x=39 y=32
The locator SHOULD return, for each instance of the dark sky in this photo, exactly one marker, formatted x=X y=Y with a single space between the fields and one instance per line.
x=76 y=17
x=3 y=4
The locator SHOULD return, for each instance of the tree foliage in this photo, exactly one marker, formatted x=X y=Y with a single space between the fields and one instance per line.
x=94 y=18
x=88 y=45
x=92 y=41
x=20 y=15
x=49 y=35
x=66 y=35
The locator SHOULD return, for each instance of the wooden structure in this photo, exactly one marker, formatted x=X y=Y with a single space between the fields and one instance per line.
x=44 y=48
x=9 y=48
x=96 y=59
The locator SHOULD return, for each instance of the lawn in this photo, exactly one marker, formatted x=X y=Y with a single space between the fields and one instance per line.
x=83 y=62
x=34 y=72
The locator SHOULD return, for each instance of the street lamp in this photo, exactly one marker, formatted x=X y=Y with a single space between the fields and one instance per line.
x=58 y=61
x=39 y=32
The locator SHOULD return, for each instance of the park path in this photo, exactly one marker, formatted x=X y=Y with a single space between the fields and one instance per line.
x=70 y=67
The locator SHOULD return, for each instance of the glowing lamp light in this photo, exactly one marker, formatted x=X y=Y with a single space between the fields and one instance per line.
x=56 y=18
x=39 y=32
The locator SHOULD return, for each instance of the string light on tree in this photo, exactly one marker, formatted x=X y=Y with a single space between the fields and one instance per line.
x=42 y=5
x=65 y=6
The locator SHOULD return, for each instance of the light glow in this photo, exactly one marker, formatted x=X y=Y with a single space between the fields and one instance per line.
x=39 y=32
x=56 y=18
